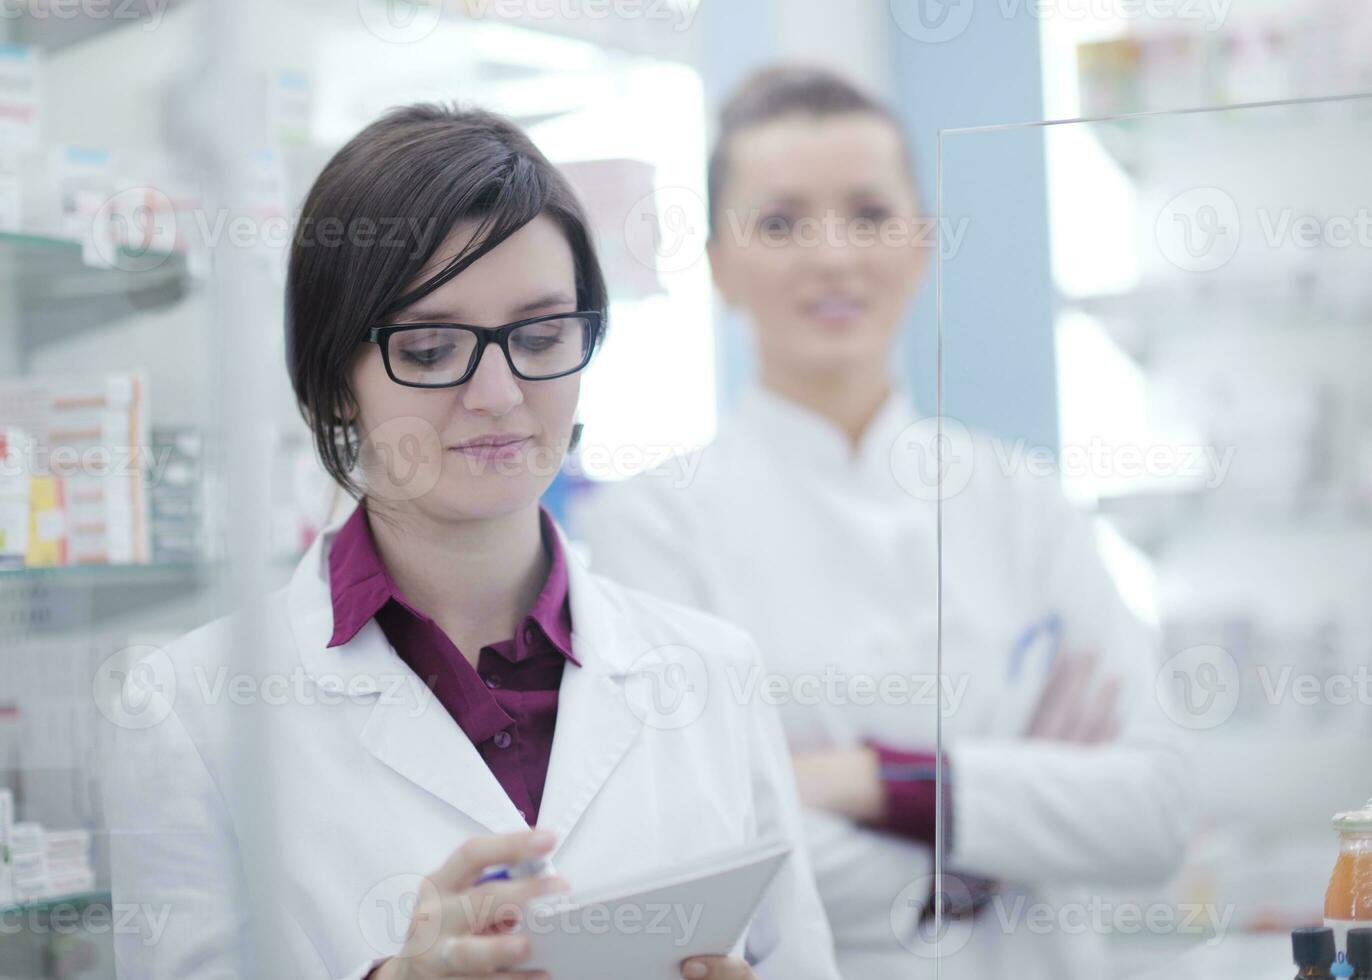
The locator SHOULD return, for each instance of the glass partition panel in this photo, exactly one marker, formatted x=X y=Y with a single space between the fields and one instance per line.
x=1156 y=537
x=109 y=438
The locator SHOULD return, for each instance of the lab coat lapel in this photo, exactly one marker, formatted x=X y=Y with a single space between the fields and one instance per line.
x=596 y=724
x=411 y=731
x=408 y=729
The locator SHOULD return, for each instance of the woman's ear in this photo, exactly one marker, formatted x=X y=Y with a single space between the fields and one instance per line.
x=347 y=412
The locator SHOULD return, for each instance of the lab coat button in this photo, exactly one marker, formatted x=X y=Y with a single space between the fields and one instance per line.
x=502 y=740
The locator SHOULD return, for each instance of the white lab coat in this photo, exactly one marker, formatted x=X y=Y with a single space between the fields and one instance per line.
x=369 y=783
x=828 y=558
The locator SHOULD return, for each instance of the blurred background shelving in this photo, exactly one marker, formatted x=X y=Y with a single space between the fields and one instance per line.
x=1257 y=351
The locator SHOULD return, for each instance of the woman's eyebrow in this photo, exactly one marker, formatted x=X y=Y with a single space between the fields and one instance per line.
x=422 y=315
x=558 y=298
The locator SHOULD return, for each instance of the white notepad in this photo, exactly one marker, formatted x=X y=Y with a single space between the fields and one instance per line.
x=643 y=927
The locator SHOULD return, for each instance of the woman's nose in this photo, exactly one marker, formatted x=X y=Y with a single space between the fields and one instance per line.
x=834 y=250
x=492 y=389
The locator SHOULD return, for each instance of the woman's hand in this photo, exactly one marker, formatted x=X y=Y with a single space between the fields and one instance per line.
x=460 y=928
x=717 y=968
x=843 y=781
x=1072 y=707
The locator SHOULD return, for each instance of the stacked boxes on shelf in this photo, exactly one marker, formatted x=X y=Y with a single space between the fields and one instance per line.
x=69 y=862
x=15 y=493
x=1312 y=48
x=84 y=450
x=38 y=864
x=178 y=495
x=48 y=863
x=29 y=860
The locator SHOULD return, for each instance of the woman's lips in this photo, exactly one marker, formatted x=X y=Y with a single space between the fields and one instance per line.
x=493 y=447
x=835 y=310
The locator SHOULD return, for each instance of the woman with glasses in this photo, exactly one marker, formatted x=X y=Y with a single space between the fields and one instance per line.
x=463 y=690
x=813 y=522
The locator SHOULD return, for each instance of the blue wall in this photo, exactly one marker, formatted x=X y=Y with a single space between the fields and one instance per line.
x=998 y=365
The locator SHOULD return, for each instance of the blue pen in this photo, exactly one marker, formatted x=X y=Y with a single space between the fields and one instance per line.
x=1039 y=642
x=530 y=868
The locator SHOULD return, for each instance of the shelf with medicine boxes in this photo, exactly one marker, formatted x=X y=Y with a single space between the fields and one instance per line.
x=1141 y=145
x=57 y=291
x=55 y=903
x=1152 y=521
x=1299 y=308
x=42 y=599
x=55 y=26
x=62 y=936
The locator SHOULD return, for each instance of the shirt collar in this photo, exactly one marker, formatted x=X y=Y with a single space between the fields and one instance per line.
x=800 y=433
x=360 y=586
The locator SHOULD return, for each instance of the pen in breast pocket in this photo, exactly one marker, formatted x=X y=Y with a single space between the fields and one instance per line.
x=531 y=868
x=1036 y=647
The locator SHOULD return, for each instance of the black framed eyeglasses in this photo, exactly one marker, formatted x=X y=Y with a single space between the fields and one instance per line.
x=443 y=355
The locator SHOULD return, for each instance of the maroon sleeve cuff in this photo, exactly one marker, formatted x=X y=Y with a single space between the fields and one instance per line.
x=907 y=780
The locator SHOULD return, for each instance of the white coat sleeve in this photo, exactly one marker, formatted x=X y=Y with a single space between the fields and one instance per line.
x=177 y=876
x=789 y=938
x=1113 y=814
x=172 y=854
x=641 y=534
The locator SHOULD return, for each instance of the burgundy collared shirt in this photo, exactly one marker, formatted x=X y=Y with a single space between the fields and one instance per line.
x=507 y=704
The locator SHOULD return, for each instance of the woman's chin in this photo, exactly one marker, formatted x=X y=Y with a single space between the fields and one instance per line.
x=489 y=496
x=838 y=357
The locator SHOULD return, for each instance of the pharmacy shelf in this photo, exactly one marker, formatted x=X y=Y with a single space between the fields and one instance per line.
x=1151 y=521
x=68 y=597
x=95 y=575
x=59 y=295
x=38 y=601
x=1138 y=320
x=1141 y=143
x=41 y=906
x=53 y=31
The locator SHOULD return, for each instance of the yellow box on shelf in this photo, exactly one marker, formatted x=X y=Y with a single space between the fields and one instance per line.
x=48 y=539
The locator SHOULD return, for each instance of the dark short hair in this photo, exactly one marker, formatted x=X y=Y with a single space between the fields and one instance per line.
x=782 y=90
x=376 y=215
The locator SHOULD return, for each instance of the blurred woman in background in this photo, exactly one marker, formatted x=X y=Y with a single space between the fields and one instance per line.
x=812 y=522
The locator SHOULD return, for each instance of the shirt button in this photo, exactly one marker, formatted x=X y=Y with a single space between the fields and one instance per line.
x=502 y=740
x=529 y=634
x=492 y=680
x=522 y=815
